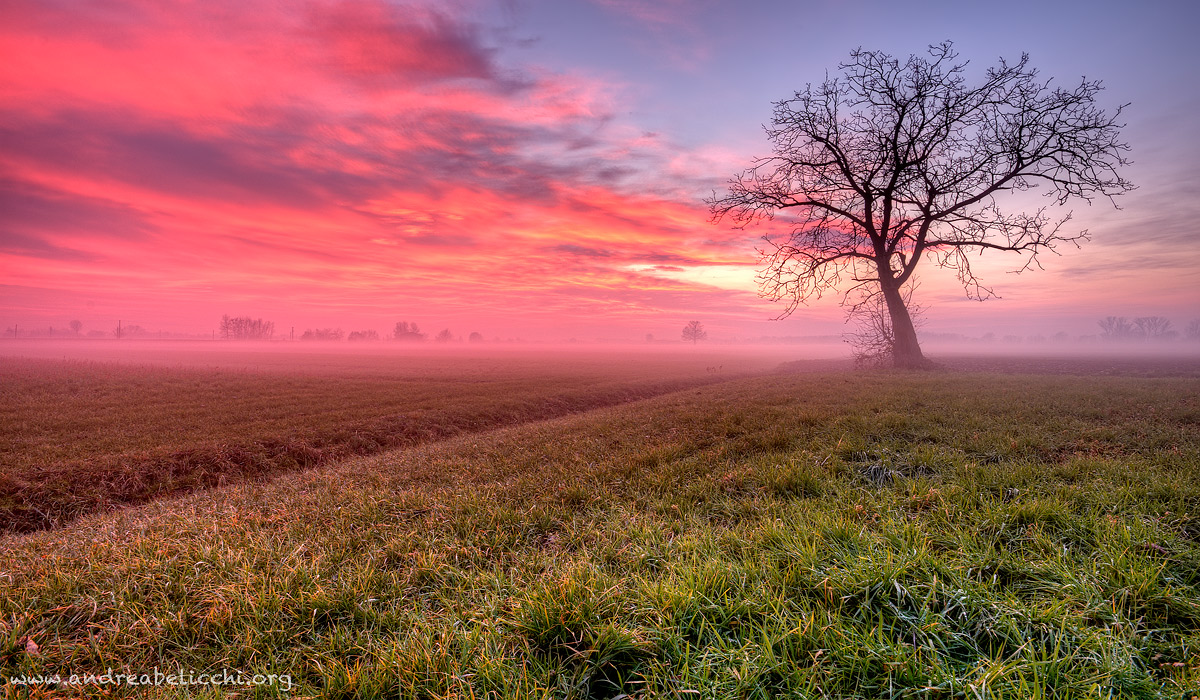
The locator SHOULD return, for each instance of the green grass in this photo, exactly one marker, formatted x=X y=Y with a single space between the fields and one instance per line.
x=874 y=535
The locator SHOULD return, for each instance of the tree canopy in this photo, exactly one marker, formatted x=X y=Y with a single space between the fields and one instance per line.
x=889 y=163
x=694 y=332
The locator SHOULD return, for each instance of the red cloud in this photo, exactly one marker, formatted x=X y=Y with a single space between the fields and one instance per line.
x=370 y=39
x=350 y=155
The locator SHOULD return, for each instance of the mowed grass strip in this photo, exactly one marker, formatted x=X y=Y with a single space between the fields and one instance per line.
x=79 y=436
x=868 y=535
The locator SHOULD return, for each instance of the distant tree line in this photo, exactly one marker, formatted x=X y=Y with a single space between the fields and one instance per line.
x=403 y=331
x=322 y=334
x=246 y=328
x=1144 y=328
x=1112 y=329
x=408 y=332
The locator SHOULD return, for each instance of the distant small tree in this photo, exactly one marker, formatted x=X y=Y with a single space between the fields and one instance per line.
x=694 y=332
x=363 y=335
x=408 y=332
x=76 y=326
x=1115 y=328
x=246 y=328
x=475 y=337
x=322 y=334
x=1152 y=327
x=444 y=336
x=1192 y=332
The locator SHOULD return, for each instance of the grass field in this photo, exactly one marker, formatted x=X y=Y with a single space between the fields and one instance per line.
x=810 y=535
x=79 y=435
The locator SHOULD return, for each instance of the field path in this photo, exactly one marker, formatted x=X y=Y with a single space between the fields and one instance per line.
x=49 y=495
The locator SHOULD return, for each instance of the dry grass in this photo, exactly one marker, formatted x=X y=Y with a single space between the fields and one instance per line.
x=877 y=535
x=77 y=436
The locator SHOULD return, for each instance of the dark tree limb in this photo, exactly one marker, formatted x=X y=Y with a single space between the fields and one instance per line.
x=891 y=163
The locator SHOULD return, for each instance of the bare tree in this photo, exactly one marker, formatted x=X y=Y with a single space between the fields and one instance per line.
x=322 y=334
x=1192 y=331
x=444 y=336
x=408 y=332
x=1152 y=327
x=1115 y=328
x=246 y=328
x=892 y=162
x=76 y=326
x=694 y=332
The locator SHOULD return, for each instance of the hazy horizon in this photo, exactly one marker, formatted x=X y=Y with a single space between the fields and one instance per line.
x=723 y=358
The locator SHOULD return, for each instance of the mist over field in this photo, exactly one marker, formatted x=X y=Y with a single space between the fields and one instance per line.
x=759 y=355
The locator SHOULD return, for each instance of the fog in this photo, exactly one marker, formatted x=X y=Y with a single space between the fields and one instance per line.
x=725 y=358
x=342 y=356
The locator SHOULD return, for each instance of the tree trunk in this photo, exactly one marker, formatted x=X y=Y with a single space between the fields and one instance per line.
x=906 y=351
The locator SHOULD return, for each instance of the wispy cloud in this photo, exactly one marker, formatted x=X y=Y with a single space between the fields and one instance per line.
x=325 y=150
x=670 y=27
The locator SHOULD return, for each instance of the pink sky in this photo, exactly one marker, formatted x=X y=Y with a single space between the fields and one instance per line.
x=531 y=169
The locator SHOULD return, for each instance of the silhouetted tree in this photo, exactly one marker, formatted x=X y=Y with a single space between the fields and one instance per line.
x=363 y=335
x=694 y=332
x=1192 y=332
x=246 y=328
x=407 y=332
x=475 y=337
x=322 y=334
x=76 y=326
x=891 y=162
x=444 y=336
x=1115 y=328
x=1152 y=327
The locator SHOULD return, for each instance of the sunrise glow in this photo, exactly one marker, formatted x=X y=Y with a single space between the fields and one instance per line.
x=533 y=170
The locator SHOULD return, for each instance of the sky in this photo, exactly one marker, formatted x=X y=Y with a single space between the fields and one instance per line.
x=519 y=168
